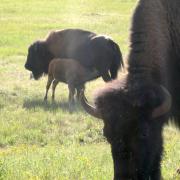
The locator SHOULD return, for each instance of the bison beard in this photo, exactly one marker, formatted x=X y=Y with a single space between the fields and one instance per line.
x=135 y=108
x=95 y=52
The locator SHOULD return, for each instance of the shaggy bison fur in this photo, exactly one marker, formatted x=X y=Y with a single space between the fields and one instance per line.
x=95 y=52
x=135 y=108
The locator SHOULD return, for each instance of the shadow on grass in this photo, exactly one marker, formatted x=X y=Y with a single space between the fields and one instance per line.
x=51 y=106
x=1 y=106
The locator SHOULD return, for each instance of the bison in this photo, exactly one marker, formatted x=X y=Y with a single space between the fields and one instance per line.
x=136 y=107
x=95 y=52
x=68 y=71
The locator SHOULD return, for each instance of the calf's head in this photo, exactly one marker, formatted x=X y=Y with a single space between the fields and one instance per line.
x=132 y=125
x=38 y=59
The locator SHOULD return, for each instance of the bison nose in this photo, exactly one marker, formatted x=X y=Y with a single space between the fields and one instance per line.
x=27 y=66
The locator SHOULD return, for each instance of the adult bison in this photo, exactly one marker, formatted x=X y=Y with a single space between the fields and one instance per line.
x=97 y=53
x=135 y=108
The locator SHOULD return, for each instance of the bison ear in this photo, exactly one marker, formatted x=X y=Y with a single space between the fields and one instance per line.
x=157 y=99
x=165 y=106
x=150 y=97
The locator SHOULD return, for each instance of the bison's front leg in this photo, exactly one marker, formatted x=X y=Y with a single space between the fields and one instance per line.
x=50 y=79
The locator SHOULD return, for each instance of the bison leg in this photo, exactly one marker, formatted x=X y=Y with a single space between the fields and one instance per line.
x=55 y=82
x=50 y=79
x=71 y=96
x=79 y=90
x=106 y=77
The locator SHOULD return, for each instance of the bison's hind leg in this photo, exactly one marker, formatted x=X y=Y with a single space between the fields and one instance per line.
x=50 y=79
x=55 y=82
x=79 y=88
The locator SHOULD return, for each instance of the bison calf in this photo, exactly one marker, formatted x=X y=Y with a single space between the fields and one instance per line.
x=68 y=71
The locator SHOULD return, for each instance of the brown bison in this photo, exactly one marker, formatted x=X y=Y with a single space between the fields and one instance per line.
x=68 y=71
x=135 y=108
x=95 y=52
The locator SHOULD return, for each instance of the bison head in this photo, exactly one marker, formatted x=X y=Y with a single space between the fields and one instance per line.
x=38 y=59
x=133 y=127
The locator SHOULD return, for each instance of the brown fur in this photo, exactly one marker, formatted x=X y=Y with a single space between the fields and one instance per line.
x=70 y=72
x=57 y=40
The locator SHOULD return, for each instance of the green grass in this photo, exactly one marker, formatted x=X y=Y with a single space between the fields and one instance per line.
x=43 y=140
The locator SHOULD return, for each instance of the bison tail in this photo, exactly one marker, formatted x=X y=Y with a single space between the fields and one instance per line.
x=117 y=62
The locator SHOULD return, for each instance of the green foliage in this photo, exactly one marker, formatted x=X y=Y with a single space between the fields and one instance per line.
x=41 y=140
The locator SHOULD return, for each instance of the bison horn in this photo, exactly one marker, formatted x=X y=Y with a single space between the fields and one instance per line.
x=89 y=108
x=165 y=106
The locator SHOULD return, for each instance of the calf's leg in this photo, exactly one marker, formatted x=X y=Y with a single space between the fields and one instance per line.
x=50 y=79
x=55 y=82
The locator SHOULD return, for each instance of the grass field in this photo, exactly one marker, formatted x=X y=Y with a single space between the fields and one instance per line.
x=43 y=141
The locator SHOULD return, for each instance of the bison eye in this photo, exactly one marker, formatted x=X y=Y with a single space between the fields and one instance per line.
x=143 y=136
